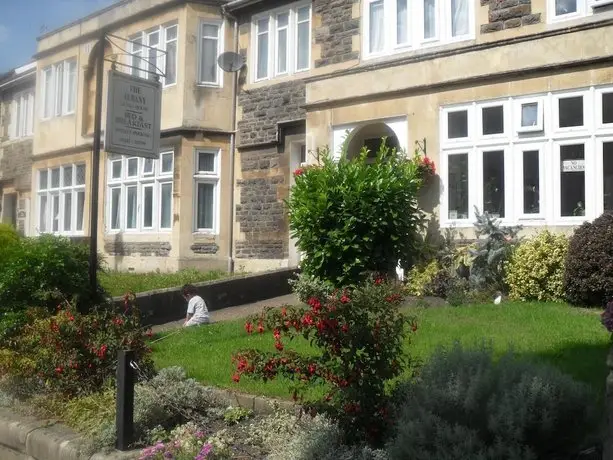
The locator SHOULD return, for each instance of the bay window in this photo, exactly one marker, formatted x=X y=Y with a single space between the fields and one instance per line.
x=61 y=199
x=206 y=186
x=416 y=23
x=139 y=197
x=211 y=46
x=544 y=159
x=59 y=89
x=148 y=57
x=282 y=41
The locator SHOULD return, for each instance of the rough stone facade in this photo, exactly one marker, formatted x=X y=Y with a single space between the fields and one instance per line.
x=508 y=14
x=265 y=249
x=204 y=248
x=264 y=108
x=260 y=210
x=16 y=163
x=338 y=27
x=122 y=248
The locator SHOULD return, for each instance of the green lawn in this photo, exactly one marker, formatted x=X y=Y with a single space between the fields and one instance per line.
x=569 y=338
x=118 y=283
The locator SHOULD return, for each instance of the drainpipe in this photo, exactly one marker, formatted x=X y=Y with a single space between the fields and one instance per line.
x=235 y=77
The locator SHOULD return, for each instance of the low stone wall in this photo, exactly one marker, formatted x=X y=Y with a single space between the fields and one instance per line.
x=166 y=305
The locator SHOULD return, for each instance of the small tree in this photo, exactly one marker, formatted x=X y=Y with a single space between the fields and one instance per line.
x=350 y=217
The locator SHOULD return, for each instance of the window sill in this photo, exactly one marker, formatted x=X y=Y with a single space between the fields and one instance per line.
x=209 y=85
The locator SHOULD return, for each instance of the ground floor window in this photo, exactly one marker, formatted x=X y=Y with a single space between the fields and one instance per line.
x=206 y=186
x=534 y=159
x=61 y=199
x=139 y=193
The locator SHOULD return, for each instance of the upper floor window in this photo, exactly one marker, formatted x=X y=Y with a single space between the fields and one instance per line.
x=415 y=23
x=210 y=47
x=282 y=41
x=60 y=89
x=560 y=10
x=22 y=115
x=147 y=57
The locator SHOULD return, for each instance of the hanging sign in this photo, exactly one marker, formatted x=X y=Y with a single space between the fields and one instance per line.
x=573 y=165
x=133 y=116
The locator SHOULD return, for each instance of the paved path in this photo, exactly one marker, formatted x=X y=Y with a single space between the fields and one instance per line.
x=237 y=312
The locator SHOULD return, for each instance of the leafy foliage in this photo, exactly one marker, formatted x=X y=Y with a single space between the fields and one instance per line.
x=351 y=217
x=359 y=334
x=466 y=406
x=491 y=252
x=420 y=277
x=535 y=270
x=587 y=278
x=9 y=238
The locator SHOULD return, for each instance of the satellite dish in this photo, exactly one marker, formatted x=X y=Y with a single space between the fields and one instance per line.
x=230 y=61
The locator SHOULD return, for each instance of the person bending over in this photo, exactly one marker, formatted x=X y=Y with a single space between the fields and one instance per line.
x=197 y=313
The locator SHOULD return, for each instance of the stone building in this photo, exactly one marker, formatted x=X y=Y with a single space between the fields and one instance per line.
x=16 y=131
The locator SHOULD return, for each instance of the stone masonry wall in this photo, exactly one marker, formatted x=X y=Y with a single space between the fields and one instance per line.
x=264 y=108
x=122 y=248
x=16 y=163
x=338 y=27
x=508 y=14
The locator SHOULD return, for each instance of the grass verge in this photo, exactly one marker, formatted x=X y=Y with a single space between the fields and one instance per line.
x=569 y=338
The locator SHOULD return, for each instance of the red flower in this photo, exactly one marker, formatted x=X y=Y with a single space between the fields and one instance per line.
x=149 y=333
x=284 y=312
x=59 y=369
x=260 y=327
x=236 y=378
x=279 y=345
x=117 y=321
x=315 y=304
x=345 y=299
x=277 y=334
x=312 y=368
x=307 y=320
x=378 y=280
x=321 y=325
x=299 y=172
x=248 y=327
x=345 y=328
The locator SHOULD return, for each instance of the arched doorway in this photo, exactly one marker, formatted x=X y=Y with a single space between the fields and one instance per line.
x=369 y=134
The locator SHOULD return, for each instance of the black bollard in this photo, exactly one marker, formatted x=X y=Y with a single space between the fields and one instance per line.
x=124 y=419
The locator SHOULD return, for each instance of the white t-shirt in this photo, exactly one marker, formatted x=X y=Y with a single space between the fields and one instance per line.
x=197 y=307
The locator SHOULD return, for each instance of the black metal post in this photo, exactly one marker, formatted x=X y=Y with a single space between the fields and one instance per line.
x=124 y=418
x=93 y=212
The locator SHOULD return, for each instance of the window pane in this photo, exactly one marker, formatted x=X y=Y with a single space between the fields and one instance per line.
x=531 y=183
x=304 y=45
x=80 y=175
x=457 y=124
x=493 y=120
x=493 y=183
x=166 y=211
x=171 y=63
x=59 y=86
x=572 y=180
x=71 y=86
x=282 y=23
x=303 y=154
x=607 y=175
x=49 y=93
x=529 y=114
x=55 y=178
x=459 y=17
x=167 y=162
x=148 y=166
x=68 y=212
x=565 y=7
x=148 y=205
x=607 y=108
x=171 y=33
x=402 y=26
x=377 y=27
x=206 y=162
x=429 y=19
x=42 y=214
x=43 y=180
x=137 y=50
x=67 y=178
x=262 y=65
x=458 y=186
x=115 y=208
x=116 y=169
x=206 y=202
x=133 y=167
x=208 y=59
x=80 y=210
x=132 y=206
x=571 y=111
x=56 y=213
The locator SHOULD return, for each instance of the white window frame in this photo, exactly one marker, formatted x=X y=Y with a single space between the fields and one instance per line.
x=61 y=90
x=22 y=115
x=143 y=53
x=415 y=22
x=584 y=8
x=292 y=41
x=472 y=198
x=220 y=48
x=141 y=180
x=444 y=117
x=555 y=106
x=506 y=120
x=204 y=177
x=598 y=94
x=588 y=156
x=519 y=103
x=61 y=191
x=543 y=152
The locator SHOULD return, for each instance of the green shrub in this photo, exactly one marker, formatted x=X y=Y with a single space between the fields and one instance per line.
x=74 y=354
x=420 y=277
x=44 y=272
x=306 y=287
x=9 y=238
x=535 y=270
x=351 y=217
x=466 y=406
x=587 y=277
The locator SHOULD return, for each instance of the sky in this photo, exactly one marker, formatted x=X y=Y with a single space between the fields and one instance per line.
x=21 y=21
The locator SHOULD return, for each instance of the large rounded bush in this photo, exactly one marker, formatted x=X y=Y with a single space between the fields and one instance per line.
x=588 y=278
x=465 y=405
x=535 y=270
